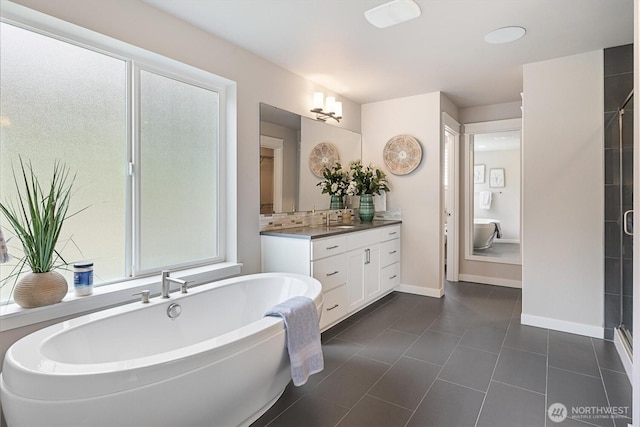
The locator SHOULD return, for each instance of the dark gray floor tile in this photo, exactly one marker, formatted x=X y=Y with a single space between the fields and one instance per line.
x=310 y=412
x=576 y=390
x=618 y=390
x=406 y=382
x=607 y=355
x=487 y=336
x=433 y=347
x=419 y=318
x=362 y=332
x=522 y=369
x=527 y=338
x=451 y=324
x=507 y=406
x=335 y=353
x=347 y=384
x=469 y=367
x=572 y=352
x=448 y=404
x=336 y=330
x=371 y=412
x=388 y=346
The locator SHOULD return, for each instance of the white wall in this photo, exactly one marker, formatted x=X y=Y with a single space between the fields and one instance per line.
x=563 y=205
x=418 y=193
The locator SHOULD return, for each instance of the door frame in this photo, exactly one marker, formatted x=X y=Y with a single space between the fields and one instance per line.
x=452 y=216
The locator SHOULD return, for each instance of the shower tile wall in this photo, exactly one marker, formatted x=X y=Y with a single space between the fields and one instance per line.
x=618 y=82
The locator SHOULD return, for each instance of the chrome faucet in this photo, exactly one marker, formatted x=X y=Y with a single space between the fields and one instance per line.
x=166 y=284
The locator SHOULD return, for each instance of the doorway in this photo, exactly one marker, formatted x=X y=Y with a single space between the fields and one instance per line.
x=450 y=149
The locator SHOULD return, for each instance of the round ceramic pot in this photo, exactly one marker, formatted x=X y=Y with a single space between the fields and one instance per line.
x=40 y=289
x=366 y=210
x=337 y=202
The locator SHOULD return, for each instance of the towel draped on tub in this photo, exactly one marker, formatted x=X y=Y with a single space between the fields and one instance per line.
x=303 y=336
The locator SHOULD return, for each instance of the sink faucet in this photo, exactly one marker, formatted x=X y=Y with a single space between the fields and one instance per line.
x=166 y=284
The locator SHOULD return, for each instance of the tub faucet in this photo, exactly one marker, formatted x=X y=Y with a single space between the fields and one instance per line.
x=166 y=284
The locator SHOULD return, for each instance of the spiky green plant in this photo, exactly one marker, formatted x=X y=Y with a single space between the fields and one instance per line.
x=37 y=215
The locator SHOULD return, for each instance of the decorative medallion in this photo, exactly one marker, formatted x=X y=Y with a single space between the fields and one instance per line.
x=323 y=154
x=402 y=154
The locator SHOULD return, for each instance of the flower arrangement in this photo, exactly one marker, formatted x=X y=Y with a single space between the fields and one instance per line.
x=365 y=179
x=336 y=180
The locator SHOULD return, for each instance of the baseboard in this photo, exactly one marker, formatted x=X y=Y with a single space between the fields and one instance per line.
x=625 y=357
x=421 y=290
x=562 y=326
x=490 y=280
x=506 y=241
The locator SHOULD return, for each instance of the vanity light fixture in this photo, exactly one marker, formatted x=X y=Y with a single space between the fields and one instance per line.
x=325 y=109
x=392 y=13
x=505 y=35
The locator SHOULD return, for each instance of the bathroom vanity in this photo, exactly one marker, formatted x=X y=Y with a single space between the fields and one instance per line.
x=356 y=264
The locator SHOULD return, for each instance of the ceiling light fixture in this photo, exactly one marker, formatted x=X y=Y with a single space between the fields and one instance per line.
x=505 y=35
x=392 y=13
x=325 y=109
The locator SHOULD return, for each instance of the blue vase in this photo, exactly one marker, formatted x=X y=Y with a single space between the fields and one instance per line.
x=337 y=202
x=367 y=209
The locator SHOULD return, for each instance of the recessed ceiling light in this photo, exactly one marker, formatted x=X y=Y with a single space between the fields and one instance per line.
x=392 y=13
x=505 y=35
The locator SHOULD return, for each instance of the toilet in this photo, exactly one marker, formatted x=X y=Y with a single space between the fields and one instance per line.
x=484 y=231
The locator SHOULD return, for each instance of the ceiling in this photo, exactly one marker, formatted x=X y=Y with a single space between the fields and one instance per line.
x=330 y=43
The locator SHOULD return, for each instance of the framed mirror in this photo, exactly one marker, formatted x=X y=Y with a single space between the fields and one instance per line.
x=492 y=176
x=287 y=141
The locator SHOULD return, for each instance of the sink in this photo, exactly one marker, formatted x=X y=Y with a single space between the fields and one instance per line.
x=344 y=227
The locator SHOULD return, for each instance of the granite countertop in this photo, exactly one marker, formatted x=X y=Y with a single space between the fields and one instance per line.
x=320 y=231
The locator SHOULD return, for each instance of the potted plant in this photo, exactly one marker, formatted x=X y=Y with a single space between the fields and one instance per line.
x=365 y=181
x=336 y=181
x=36 y=216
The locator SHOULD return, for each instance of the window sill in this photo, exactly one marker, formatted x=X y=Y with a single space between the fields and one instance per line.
x=13 y=316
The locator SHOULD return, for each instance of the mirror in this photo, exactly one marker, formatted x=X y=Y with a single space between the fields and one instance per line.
x=287 y=183
x=493 y=191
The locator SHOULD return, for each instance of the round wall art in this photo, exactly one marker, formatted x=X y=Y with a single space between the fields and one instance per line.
x=323 y=154
x=402 y=154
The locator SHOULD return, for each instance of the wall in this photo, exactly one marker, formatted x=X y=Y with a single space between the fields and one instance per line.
x=563 y=206
x=618 y=82
x=417 y=193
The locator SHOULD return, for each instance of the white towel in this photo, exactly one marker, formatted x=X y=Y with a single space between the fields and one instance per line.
x=4 y=252
x=303 y=336
x=484 y=200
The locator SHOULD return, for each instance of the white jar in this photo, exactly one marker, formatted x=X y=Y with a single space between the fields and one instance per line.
x=83 y=278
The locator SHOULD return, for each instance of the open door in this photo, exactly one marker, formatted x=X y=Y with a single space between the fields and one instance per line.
x=450 y=188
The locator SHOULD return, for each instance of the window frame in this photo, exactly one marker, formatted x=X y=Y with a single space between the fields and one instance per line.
x=137 y=59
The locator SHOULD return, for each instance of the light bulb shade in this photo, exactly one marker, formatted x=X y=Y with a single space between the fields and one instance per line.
x=338 y=109
x=318 y=101
x=392 y=13
x=330 y=104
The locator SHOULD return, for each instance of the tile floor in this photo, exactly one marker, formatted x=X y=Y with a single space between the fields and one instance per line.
x=461 y=360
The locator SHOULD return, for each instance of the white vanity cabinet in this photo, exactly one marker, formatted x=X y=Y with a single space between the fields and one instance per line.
x=354 y=268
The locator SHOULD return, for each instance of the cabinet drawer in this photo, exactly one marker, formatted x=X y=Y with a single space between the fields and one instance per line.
x=390 y=276
x=323 y=248
x=391 y=232
x=390 y=252
x=334 y=307
x=331 y=272
x=362 y=239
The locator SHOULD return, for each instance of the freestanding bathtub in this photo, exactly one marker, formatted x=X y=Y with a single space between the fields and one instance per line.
x=484 y=231
x=219 y=363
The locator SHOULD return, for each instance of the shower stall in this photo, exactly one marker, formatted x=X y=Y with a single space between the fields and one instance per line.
x=619 y=228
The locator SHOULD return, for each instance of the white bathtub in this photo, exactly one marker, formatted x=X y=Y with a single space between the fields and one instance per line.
x=484 y=231
x=220 y=363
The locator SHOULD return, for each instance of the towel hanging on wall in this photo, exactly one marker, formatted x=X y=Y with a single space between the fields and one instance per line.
x=484 y=201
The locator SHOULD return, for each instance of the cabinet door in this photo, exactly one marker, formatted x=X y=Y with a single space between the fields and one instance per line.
x=372 y=284
x=355 y=278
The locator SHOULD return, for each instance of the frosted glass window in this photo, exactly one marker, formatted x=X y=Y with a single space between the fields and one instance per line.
x=62 y=101
x=177 y=171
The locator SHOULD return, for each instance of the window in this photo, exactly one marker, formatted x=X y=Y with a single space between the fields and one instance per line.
x=143 y=137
